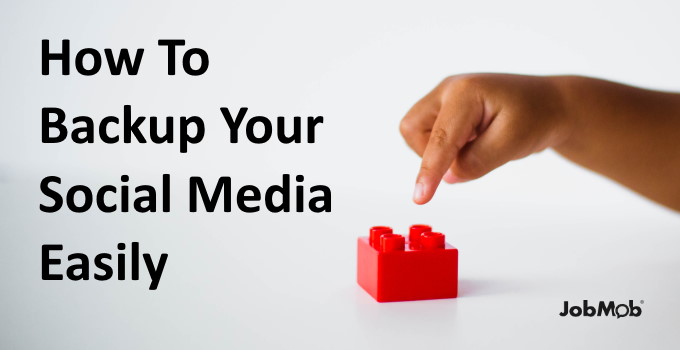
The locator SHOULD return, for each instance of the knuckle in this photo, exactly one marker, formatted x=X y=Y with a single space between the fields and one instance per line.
x=447 y=84
x=439 y=137
x=449 y=80
x=470 y=82
x=425 y=168
x=406 y=127
x=463 y=85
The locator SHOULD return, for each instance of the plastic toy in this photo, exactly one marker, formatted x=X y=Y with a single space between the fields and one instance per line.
x=392 y=268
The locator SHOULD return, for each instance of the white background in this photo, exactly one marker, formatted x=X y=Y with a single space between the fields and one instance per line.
x=531 y=235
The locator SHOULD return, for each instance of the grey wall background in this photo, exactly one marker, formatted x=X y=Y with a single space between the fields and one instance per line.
x=531 y=235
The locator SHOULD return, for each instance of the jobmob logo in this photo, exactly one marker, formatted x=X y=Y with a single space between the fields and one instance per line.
x=604 y=308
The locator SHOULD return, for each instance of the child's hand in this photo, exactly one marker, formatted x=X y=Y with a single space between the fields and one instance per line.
x=471 y=124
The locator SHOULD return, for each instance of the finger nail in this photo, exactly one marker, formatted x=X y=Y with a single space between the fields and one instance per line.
x=418 y=192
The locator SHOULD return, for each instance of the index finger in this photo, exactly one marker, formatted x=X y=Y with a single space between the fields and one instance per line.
x=454 y=125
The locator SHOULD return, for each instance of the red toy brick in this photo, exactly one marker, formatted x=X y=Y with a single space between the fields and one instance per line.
x=391 y=269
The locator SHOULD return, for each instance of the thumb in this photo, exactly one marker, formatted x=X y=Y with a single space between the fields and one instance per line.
x=493 y=148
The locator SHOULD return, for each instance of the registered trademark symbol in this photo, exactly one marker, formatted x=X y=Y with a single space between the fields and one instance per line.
x=642 y=301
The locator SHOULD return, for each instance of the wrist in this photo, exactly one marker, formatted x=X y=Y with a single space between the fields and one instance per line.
x=572 y=109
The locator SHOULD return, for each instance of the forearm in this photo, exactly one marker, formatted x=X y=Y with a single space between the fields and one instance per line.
x=628 y=134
